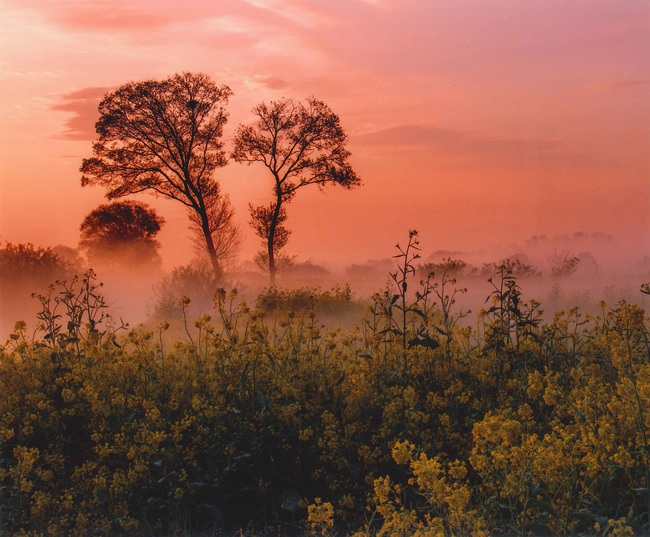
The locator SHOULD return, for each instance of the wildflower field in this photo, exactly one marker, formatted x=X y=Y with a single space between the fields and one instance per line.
x=261 y=420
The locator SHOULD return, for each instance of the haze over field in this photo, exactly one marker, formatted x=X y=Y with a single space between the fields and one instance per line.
x=518 y=127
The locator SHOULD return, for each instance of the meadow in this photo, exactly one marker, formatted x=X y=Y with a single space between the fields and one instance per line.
x=269 y=418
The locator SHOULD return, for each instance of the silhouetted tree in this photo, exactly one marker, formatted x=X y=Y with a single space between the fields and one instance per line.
x=121 y=234
x=165 y=137
x=226 y=235
x=26 y=263
x=301 y=145
x=71 y=256
x=452 y=268
x=261 y=219
x=513 y=266
x=27 y=269
x=195 y=281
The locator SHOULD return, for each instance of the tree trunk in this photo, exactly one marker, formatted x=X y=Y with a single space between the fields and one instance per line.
x=212 y=252
x=271 y=242
x=271 y=261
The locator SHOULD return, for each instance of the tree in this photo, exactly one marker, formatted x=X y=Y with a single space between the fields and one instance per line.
x=226 y=236
x=26 y=263
x=122 y=233
x=27 y=269
x=301 y=145
x=261 y=218
x=164 y=137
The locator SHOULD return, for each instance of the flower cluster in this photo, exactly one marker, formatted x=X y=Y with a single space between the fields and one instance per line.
x=260 y=417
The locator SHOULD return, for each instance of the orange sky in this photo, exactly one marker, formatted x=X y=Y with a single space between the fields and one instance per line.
x=477 y=123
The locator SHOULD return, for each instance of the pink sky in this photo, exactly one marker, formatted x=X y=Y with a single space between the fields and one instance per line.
x=476 y=123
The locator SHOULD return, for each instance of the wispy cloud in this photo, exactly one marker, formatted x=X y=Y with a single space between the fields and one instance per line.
x=292 y=11
x=620 y=84
x=29 y=73
x=230 y=24
x=271 y=82
x=376 y=3
x=450 y=140
x=83 y=104
x=99 y=15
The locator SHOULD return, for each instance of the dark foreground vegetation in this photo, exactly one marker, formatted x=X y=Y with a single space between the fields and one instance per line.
x=259 y=420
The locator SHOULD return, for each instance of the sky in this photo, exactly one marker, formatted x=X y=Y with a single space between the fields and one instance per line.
x=476 y=123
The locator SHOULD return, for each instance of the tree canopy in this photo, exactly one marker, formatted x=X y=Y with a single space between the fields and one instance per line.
x=165 y=137
x=122 y=233
x=33 y=264
x=301 y=144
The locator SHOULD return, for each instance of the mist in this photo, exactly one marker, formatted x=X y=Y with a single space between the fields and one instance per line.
x=561 y=272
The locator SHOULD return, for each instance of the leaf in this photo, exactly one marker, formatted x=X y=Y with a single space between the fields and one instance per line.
x=543 y=506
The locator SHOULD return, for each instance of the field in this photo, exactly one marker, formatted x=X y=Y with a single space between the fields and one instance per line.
x=269 y=419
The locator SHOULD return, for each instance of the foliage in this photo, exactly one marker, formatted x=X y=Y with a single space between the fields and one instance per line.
x=165 y=137
x=25 y=268
x=195 y=280
x=122 y=233
x=452 y=267
x=262 y=222
x=514 y=265
x=301 y=145
x=336 y=306
x=564 y=264
x=32 y=264
x=263 y=418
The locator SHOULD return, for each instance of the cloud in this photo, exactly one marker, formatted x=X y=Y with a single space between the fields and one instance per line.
x=453 y=141
x=230 y=24
x=272 y=82
x=30 y=73
x=83 y=104
x=376 y=3
x=106 y=15
x=620 y=84
x=291 y=11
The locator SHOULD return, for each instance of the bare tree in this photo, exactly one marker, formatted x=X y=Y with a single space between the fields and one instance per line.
x=165 y=137
x=226 y=235
x=301 y=145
